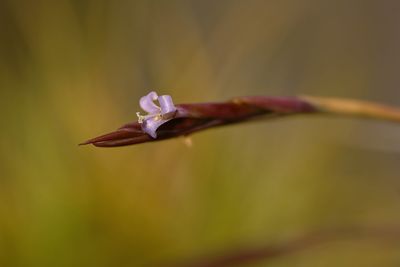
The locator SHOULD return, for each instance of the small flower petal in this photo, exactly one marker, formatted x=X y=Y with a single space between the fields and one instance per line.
x=167 y=106
x=151 y=125
x=147 y=103
x=156 y=116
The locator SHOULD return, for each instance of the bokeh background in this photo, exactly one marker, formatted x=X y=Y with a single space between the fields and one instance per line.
x=71 y=70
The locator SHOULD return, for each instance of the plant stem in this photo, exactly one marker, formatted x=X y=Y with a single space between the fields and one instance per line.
x=350 y=107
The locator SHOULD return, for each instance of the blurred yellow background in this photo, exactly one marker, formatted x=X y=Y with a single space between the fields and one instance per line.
x=71 y=70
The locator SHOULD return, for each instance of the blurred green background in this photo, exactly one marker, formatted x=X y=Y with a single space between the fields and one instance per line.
x=71 y=70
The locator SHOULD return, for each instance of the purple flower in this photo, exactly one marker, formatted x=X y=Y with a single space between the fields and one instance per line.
x=156 y=115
